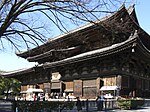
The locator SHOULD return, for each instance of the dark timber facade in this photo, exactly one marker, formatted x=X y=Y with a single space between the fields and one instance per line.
x=113 y=51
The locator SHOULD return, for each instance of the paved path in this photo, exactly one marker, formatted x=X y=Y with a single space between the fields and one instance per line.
x=5 y=107
x=143 y=109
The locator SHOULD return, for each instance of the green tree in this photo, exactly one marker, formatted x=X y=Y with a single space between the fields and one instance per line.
x=2 y=84
x=9 y=85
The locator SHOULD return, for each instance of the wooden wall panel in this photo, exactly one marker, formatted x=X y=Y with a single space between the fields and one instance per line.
x=77 y=88
x=69 y=85
x=89 y=88
x=89 y=83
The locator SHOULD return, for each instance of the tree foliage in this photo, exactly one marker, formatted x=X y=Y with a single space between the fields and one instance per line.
x=29 y=22
x=8 y=85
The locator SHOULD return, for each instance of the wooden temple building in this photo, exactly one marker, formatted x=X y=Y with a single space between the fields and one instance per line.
x=112 y=51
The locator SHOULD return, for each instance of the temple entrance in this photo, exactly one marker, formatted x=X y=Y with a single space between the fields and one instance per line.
x=55 y=93
x=101 y=83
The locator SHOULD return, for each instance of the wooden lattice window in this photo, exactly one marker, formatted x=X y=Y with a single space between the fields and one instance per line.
x=89 y=91
x=69 y=85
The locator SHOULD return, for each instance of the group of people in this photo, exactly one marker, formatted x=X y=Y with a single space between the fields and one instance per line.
x=55 y=95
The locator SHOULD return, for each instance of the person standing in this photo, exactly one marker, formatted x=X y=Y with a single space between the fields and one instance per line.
x=98 y=103
x=79 y=104
x=100 y=100
x=34 y=97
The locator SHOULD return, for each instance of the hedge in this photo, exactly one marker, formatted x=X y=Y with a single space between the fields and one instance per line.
x=39 y=106
x=130 y=103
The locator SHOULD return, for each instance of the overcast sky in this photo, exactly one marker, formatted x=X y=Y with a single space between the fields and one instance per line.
x=9 y=61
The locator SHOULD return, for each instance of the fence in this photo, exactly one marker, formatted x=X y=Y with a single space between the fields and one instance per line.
x=89 y=105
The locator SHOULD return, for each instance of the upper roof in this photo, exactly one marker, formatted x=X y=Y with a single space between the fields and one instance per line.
x=54 y=44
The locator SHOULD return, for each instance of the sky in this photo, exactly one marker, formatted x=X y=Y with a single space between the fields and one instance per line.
x=9 y=61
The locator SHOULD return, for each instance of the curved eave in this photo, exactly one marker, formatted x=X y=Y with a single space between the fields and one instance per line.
x=25 y=54
x=132 y=13
x=144 y=36
x=94 y=54
x=40 y=56
x=18 y=72
x=50 y=54
x=142 y=51
x=65 y=35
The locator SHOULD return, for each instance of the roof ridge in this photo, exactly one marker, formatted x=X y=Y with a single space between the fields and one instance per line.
x=87 y=25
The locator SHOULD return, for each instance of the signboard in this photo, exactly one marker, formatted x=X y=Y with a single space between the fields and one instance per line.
x=56 y=76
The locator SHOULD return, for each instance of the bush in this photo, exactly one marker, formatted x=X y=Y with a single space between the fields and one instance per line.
x=131 y=103
x=34 y=106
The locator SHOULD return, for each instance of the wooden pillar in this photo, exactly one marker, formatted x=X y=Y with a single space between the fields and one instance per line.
x=118 y=83
x=98 y=85
x=118 y=80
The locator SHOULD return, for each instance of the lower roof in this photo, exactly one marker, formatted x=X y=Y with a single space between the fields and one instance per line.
x=131 y=42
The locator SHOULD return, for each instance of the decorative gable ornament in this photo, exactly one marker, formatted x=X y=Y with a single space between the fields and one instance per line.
x=56 y=76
